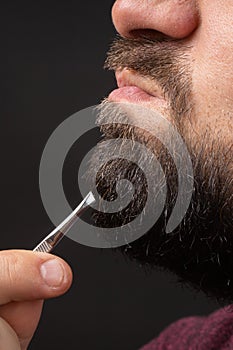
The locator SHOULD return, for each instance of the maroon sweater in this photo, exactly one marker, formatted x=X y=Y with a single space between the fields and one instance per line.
x=214 y=332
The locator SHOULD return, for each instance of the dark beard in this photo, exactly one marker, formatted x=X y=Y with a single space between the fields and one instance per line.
x=200 y=250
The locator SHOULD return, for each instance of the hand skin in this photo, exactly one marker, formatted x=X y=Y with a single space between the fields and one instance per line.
x=22 y=291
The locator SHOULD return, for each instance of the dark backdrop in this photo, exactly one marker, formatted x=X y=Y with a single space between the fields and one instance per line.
x=51 y=66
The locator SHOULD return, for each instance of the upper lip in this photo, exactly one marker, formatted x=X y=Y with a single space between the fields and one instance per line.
x=127 y=77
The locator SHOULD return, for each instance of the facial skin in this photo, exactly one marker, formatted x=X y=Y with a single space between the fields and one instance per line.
x=181 y=52
x=204 y=26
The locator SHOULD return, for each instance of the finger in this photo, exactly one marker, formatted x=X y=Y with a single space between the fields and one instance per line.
x=23 y=317
x=8 y=338
x=27 y=275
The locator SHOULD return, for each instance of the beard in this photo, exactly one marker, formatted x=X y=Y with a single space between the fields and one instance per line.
x=200 y=249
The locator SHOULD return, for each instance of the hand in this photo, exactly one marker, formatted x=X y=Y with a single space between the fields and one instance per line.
x=26 y=278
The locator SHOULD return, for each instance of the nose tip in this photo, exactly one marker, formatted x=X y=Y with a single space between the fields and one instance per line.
x=173 y=18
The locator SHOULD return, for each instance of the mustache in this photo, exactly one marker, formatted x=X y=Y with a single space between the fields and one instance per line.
x=164 y=61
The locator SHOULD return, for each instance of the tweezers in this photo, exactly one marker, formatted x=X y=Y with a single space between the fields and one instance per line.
x=50 y=241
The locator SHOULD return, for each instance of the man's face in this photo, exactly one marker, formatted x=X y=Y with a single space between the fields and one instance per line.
x=203 y=28
x=176 y=57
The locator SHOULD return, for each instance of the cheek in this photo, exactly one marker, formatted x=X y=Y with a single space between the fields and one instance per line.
x=212 y=75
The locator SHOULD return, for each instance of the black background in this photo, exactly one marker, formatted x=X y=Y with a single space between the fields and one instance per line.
x=51 y=67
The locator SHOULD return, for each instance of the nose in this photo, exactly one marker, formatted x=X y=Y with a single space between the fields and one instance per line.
x=172 y=18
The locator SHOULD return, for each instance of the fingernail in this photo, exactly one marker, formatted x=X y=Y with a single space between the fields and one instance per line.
x=52 y=273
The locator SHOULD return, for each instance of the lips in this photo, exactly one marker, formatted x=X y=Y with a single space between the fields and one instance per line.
x=135 y=88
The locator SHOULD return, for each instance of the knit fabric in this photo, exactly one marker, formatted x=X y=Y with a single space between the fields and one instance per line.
x=213 y=332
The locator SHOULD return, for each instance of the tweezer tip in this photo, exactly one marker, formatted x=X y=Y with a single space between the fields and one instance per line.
x=90 y=198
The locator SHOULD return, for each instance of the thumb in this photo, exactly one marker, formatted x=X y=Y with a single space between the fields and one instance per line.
x=27 y=275
x=26 y=278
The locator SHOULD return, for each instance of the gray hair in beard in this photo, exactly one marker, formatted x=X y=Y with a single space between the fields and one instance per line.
x=200 y=250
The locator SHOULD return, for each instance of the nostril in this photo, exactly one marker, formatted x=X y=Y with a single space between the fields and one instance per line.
x=158 y=20
x=148 y=34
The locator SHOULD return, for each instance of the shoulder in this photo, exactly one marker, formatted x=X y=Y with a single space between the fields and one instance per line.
x=197 y=332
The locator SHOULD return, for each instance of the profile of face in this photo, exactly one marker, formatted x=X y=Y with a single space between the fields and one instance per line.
x=176 y=57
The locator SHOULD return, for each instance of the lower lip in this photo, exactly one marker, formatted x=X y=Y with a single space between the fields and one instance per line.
x=130 y=94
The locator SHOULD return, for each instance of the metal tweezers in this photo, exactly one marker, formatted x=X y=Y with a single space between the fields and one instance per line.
x=50 y=241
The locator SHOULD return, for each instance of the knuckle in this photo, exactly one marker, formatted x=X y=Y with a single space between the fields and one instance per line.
x=9 y=265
